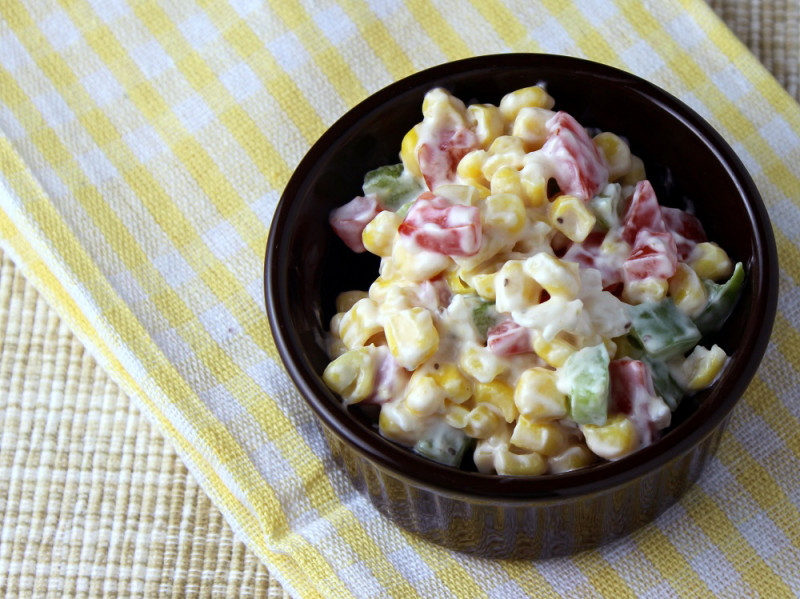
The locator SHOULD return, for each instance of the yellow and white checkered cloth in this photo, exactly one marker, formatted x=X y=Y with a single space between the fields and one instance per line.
x=143 y=147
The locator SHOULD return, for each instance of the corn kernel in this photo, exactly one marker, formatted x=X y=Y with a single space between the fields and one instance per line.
x=570 y=215
x=397 y=423
x=505 y=212
x=640 y=291
x=515 y=101
x=687 y=291
x=482 y=422
x=546 y=438
x=506 y=150
x=352 y=375
x=536 y=395
x=456 y=386
x=635 y=173
x=572 y=458
x=417 y=264
x=408 y=151
x=710 y=261
x=470 y=167
x=456 y=415
x=560 y=278
x=411 y=336
x=360 y=323
x=534 y=183
x=347 y=299
x=439 y=102
x=554 y=352
x=514 y=464
x=456 y=283
x=702 y=366
x=506 y=180
x=379 y=233
x=424 y=397
x=612 y=440
x=486 y=121
x=498 y=395
x=616 y=152
x=529 y=126
x=483 y=283
x=481 y=364
x=514 y=289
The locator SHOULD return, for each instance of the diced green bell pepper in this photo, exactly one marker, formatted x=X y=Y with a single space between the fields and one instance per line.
x=605 y=206
x=662 y=329
x=721 y=301
x=391 y=186
x=444 y=444
x=584 y=379
x=484 y=317
x=663 y=383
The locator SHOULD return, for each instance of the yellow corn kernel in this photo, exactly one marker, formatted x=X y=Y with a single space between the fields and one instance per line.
x=515 y=101
x=397 y=423
x=514 y=289
x=482 y=422
x=411 y=336
x=505 y=212
x=506 y=150
x=635 y=173
x=347 y=299
x=572 y=458
x=456 y=386
x=616 y=152
x=537 y=397
x=560 y=278
x=687 y=291
x=506 y=180
x=456 y=415
x=710 y=261
x=640 y=291
x=702 y=366
x=484 y=286
x=352 y=375
x=439 y=102
x=481 y=364
x=380 y=288
x=534 y=183
x=360 y=323
x=408 y=151
x=554 y=352
x=456 y=283
x=379 y=233
x=546 y=438
x=486 y=121
x=466 y=195
x=515 y=464
x=529 y=126
x=470 y=167
x=417 y=264
x=424 y=397
x=500 y=396
x=612 y=440
x=570 y=215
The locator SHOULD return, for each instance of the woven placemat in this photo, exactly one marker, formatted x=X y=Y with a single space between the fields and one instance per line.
x=92 y=500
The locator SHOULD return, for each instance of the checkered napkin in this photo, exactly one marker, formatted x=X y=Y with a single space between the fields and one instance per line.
x=143 y=148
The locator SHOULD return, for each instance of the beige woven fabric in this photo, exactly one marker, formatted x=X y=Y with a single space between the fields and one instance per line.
x=92 y=501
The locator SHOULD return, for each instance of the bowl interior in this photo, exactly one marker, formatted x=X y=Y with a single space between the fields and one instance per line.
x=687 y=162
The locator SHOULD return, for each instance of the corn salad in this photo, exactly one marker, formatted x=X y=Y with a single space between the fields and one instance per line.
x=536 y=309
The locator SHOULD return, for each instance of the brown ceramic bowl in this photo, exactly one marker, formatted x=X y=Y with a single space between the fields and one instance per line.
x=501 y=516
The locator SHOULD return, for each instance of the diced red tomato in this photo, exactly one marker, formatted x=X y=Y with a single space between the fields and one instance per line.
x=686 y=229
x=439 y=158
x=348 y=221
x=589 y=253
x=653 y=255
x=508 y=339
x=580 y=169
x=632 y=393
x=644 y=212
x=437 y=225
x=390 y=379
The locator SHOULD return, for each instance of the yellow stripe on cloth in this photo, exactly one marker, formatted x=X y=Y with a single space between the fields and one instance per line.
x=146 y=144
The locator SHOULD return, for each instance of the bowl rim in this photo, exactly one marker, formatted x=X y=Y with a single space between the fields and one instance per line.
x=401 y=462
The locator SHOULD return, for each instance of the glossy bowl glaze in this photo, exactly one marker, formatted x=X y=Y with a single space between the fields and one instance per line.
x=499 y=516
